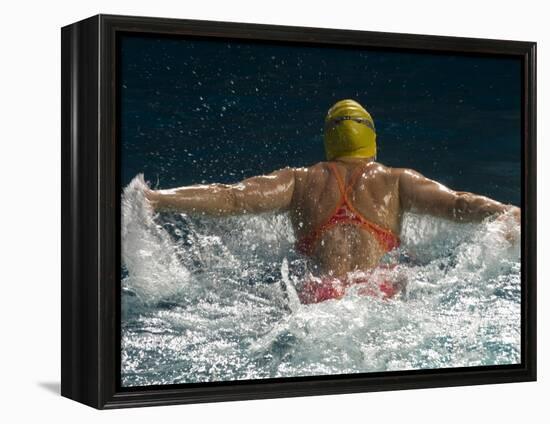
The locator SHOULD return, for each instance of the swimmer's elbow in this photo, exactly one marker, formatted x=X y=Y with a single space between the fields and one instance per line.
x=237 y=202
x=462 y=210
x=228 y=201
x=470 y=207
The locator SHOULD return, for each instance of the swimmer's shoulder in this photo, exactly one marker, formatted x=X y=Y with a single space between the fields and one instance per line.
x=392 y=173
x=309 y=171
x=311 y=175
x=322 y=168
x=378 y=171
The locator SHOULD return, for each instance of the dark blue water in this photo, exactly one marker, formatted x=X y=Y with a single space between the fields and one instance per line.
x=211 y=111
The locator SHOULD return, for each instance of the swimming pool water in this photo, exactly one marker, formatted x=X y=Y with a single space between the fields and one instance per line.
x=207 y=299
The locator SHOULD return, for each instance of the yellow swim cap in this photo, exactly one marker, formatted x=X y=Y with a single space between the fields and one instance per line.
x=349 y=131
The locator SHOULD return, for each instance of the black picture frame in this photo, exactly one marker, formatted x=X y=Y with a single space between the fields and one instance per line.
x=90 y=371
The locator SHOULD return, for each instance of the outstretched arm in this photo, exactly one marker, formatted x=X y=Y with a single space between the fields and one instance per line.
x=420 y=194
x=265 y=193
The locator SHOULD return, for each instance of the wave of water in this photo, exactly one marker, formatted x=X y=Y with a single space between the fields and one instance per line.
x=213 y=299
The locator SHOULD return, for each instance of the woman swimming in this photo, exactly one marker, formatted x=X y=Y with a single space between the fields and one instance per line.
x=346 y=212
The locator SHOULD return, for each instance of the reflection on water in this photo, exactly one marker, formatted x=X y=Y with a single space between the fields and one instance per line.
x=214 y=300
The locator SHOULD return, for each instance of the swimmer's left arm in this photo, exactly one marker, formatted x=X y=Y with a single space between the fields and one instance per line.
x=420 y=194
x=266 y=193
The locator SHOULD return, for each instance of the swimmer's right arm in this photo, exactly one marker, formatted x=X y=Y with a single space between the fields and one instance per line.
x=266 y=193
x=420 y=194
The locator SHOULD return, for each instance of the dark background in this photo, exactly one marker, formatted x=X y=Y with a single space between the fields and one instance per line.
x=201 y=111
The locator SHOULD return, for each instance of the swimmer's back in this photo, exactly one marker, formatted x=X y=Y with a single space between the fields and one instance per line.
x=374 y=195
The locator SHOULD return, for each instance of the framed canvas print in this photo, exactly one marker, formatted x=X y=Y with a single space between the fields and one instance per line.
x=254 y=211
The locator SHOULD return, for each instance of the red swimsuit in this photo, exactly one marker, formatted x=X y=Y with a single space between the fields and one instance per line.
x=343 y=213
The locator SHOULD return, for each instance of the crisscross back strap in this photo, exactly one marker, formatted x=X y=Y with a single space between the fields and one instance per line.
x=385 y=237
x=344 y=189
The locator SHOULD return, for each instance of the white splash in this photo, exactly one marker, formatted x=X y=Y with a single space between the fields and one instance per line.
x=215 y=299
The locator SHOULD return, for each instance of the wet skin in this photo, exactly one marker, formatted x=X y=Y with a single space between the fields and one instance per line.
x=381 y=194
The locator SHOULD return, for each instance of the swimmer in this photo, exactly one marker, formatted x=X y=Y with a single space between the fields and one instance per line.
x=346 y=212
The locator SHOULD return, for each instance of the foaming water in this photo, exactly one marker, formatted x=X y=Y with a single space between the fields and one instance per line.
x=213 y=299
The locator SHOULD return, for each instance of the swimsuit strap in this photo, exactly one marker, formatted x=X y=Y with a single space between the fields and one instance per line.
x=344 y=189
x=339 y=180
x=385 y=237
